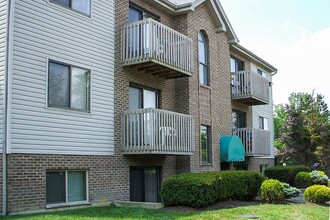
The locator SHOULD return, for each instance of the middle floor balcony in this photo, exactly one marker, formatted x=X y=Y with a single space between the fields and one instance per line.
x=156 y=131
x=249 y=88
x=152 y=47
x=256 y=141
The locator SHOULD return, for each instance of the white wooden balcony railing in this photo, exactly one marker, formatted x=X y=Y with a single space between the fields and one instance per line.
x=255 y=141
x=249 y=88
x=156 y=131
x=155 y=45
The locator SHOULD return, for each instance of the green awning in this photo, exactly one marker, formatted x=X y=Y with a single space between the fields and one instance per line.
x=231 y=149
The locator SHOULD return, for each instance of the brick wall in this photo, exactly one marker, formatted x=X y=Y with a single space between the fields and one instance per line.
x=27 y=178
x=209 y=105
x=108 y=177
x=254 y=163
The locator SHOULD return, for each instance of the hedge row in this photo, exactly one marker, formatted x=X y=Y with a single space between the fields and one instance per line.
x=203 y=189
x=285 y=174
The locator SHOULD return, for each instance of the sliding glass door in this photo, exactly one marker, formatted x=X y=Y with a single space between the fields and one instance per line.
x=144 y=184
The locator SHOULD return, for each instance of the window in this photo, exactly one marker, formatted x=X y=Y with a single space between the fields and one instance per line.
x=203 y=59
x=206 y=144
x=139 y=38
x=66 y=187
x=140 y=97
x=261 y=73
x=236 y=65
x=68 y=86
x=238 y=80
x=83 y=6
x=239 y=119
x=137 y=14
x=262 y=168
x=263 y=123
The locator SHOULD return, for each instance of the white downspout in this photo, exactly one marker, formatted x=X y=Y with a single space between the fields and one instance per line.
x=7 y=98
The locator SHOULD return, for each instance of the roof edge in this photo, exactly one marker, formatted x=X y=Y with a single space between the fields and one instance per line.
x=230 y=27
x=256 y=58
x=191 y=6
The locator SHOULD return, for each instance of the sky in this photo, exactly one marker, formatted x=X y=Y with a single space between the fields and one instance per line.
x=292 y=35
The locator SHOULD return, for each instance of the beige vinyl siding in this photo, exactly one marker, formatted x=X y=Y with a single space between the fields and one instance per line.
x=3 y=20
x=265 y=110
x=45 y=31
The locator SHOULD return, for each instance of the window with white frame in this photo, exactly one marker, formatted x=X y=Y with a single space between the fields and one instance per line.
x=261 y=73
x=83 y=6
x=263 y=123
x=68 y=86
x=66 y=187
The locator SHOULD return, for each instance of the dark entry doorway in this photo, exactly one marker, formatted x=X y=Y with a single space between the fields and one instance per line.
x=145 y=184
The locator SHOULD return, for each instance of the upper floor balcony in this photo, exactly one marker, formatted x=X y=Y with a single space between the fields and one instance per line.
x=150 y=46
x=249 y=88
x=256 y=141
x=156 y=131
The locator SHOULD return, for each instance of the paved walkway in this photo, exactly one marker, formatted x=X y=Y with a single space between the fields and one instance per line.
x=298 y=199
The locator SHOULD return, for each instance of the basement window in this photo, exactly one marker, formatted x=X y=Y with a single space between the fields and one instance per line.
x=66 y=188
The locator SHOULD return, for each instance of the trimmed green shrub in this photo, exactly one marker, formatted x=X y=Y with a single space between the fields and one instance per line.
x=319 y=178
x=317 y=194
x=303 y=180
x=203 y=189
x=329 y=184
x=272 y=191
x=285 y=174
x=321 y=172
x=290 y=191
x=188 y=189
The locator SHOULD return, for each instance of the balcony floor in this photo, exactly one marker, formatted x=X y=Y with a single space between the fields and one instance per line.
x=250 y=101
x=157 y=153
x=157 y=69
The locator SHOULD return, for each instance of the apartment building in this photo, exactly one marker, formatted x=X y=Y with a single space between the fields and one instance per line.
x=184 y=82
x=103 y=100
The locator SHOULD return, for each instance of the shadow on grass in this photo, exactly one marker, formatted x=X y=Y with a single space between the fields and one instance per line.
x=228 y=204
x=109 y=212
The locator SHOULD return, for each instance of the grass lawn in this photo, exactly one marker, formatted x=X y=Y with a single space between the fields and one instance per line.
x=265 y=211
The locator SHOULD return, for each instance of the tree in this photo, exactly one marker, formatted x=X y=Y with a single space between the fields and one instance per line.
x=305 y=130
x=280 y=116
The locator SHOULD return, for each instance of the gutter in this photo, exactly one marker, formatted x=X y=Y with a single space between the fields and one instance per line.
x=7 y=98
x=174 y=8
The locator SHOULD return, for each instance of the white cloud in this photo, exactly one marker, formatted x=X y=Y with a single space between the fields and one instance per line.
x=301 y=30
x=303 y=66
x=286 y=25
